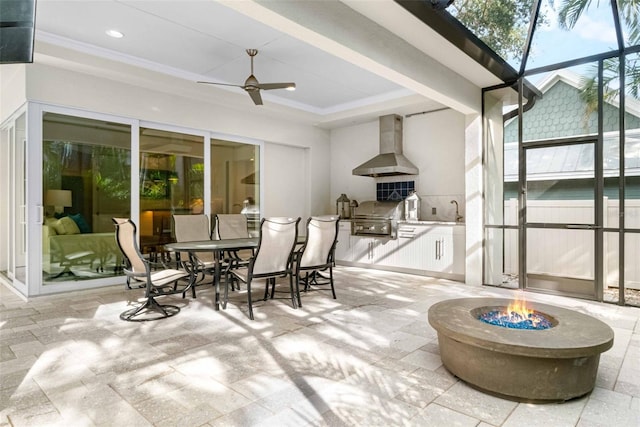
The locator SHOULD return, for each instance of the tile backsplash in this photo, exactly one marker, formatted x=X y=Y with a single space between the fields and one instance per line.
x=394 y=191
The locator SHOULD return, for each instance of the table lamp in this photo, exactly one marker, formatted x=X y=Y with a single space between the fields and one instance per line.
x=59 y=199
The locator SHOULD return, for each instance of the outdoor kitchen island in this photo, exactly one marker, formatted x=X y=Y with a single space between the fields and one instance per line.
x=428 y=248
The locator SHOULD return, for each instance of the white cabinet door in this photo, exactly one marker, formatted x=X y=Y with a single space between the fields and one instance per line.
x=445 y=249
x=361 y=249
x=372 y=250
x=459 y=250
x=384 y=251
x=412 y=247
x=439 y=249
x=343 y=247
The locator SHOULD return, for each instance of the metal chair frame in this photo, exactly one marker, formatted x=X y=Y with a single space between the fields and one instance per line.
x=232 y=259
x=312 y=271
x=158 y=279
x=270 y=276
x=201 y=264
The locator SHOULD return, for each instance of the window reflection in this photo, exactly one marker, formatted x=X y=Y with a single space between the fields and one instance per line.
x=86 y=182
x=171 y=182
x=235 y=180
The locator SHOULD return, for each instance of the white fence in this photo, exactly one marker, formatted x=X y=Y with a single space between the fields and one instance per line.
x=570 y=253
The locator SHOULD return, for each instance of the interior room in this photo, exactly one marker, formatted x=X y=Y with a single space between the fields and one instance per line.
x=446 y=155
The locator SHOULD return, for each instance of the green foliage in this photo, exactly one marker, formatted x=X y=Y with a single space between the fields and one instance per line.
x=500 y=24
x=111 y=172
x=570 y=11
x=112 y=188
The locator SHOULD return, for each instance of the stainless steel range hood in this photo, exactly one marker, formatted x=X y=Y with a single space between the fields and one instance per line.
x=390 y=161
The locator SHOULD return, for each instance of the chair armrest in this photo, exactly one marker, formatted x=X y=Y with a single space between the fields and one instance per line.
x=133 y=274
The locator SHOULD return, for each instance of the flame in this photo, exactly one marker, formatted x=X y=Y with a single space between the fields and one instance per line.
x=518 y=311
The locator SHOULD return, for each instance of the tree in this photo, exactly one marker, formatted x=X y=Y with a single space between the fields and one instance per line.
x=500 y=24
x=569 y=12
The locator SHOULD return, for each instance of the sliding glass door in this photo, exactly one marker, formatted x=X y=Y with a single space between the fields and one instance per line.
x=13 y=188
x=171 y=182
x=86 y=181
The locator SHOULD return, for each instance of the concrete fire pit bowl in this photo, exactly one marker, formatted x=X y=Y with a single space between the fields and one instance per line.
x=555 y=364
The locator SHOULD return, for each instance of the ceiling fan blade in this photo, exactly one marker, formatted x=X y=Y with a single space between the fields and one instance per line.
x=269 y=86
x=255 y=95
x=222 y=84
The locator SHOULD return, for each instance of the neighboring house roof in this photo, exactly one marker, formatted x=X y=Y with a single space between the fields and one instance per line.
x=561 y=113
x=575 y=161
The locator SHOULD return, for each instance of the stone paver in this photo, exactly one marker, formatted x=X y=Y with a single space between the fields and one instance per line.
x=361 y=360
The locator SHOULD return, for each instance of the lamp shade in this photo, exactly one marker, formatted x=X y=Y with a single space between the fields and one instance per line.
x=58 y=198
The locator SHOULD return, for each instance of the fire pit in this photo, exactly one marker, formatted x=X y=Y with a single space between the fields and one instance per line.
x=557 y=363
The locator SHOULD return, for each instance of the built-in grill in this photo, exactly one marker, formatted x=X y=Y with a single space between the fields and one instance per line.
x=252 y=212
x=379 y=219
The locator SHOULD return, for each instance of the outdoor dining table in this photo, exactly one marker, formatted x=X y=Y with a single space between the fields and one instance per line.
x=217 y=247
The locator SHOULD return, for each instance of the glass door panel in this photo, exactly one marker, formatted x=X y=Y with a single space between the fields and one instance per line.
x=13 y=214
x=235 y=180
x=171 y=182
x=561 y=261
x=501 y=258
x=631 y=291
x=561 y=184
x=501 y=253
x=19 y=204
x=86 y=182
x=611 y=291
x=560 y=219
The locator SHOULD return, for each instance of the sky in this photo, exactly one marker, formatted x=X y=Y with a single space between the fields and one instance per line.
x=593 y=33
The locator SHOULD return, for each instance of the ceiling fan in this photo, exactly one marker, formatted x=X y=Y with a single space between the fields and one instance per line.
x=253 y=87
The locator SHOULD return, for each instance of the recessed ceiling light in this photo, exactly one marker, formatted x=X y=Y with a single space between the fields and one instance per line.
x=115 y=34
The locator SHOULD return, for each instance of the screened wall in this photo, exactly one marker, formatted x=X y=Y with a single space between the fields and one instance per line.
x=561 y=149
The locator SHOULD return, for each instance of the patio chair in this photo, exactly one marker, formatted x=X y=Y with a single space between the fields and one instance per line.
x=233 y=226
x=273 y=259
x=188 y=228
x=157 y=278
x=317 y=254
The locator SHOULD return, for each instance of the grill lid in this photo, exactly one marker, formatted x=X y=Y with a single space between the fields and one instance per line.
x=379 y=210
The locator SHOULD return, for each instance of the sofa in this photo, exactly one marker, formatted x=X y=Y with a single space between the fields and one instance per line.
x=69 y=248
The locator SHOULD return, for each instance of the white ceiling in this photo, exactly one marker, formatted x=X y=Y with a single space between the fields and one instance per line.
x=206 y=40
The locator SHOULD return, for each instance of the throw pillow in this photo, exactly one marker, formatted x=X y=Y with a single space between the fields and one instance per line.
x=66 y=226
x=48 y=222
x=81 y=223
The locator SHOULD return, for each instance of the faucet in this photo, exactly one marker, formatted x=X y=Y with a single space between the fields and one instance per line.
x=458 y=216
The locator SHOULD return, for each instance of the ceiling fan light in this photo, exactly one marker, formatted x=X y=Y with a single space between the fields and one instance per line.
x=290 y=88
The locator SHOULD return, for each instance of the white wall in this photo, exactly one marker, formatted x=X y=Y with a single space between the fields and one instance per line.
x=58 y=86
x=12 y=88
x=434 y=142
x=446 y=146
x=286 y=196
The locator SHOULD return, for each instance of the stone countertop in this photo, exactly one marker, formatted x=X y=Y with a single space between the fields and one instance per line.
x=404 y=222
x=422 y=222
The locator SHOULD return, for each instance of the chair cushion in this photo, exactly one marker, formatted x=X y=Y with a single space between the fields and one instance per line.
x=162 y=277
x=241 y=273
